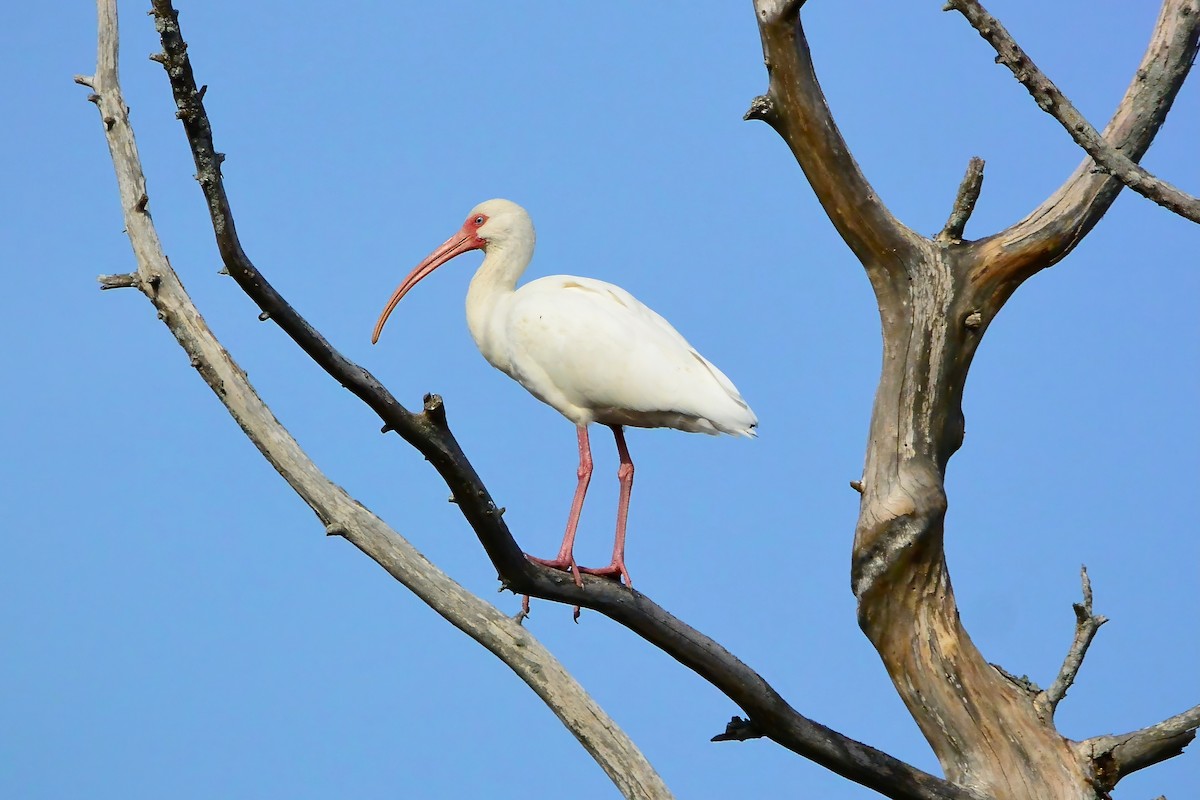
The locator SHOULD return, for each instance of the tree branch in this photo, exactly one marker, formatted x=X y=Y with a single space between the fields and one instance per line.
x=1053 y=229
x=1114 y=757
x=1086 y=626
x=340 y=513
x=964 y=202
x=1051 y=100
x=795 y=107
x=429 y=434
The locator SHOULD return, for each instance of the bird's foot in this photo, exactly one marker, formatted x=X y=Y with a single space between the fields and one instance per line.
x=565 y=563
x=523 y=614
x=615 y=571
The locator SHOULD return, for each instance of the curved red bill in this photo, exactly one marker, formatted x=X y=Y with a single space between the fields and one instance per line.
x=456 y=245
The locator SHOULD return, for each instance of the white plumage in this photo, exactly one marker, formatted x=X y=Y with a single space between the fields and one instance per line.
x=587 y=348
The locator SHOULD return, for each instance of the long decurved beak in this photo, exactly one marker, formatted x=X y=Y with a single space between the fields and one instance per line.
x=456 y=245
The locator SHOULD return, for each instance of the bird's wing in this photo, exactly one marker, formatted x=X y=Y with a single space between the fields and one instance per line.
x=600 y=348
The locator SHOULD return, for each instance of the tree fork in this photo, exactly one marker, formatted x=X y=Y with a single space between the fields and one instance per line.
x=986 y=733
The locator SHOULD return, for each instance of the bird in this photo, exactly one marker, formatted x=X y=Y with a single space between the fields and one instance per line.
x=588 y=349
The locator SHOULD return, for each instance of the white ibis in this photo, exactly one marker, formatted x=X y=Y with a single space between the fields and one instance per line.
x=587 y=348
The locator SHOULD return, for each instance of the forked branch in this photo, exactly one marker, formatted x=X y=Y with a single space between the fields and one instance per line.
x=1051 y=100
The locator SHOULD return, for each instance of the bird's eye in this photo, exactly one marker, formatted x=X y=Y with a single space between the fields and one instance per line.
x=478 y=221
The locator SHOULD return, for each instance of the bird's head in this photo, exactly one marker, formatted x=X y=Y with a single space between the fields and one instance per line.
x=493 y=224
x=497 y=222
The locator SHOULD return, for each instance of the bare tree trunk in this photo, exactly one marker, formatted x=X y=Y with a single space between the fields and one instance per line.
x=984 y=728
x=936 y=298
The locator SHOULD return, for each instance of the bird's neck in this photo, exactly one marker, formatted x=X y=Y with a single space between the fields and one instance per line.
x=494 y=282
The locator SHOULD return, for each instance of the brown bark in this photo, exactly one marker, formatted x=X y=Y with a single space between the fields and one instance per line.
x=936 y=299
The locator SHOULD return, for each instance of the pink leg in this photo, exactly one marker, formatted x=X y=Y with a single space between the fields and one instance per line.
x=625 y=474
x=566 y=554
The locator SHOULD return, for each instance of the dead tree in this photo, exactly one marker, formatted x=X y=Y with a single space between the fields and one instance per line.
x=993 y=735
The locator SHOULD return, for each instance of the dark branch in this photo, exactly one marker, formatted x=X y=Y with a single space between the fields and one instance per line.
x=796 y=108
x=964 y=203
x=1051 y=100
x=1086 y=625
x=430 y=435
x=1114 y=757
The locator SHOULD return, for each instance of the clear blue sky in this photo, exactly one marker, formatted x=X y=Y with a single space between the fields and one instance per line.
x=174 y=623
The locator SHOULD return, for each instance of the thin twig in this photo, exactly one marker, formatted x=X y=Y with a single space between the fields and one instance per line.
x=1086 y=625
x=1051 y=100
x=964 y=202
